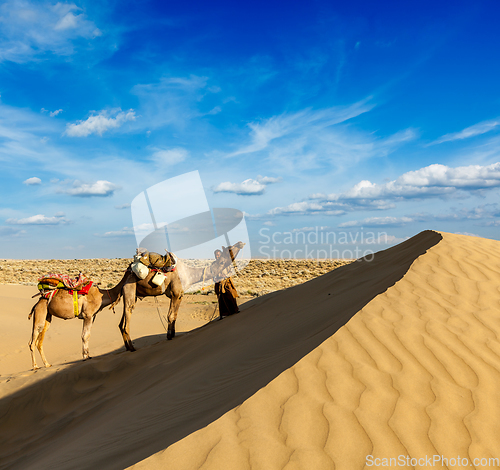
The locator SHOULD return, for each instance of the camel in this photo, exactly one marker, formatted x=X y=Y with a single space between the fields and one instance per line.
x=173 y=287
x=61 y=306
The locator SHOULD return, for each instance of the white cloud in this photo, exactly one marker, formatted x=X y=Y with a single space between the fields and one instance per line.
x=263 y=133
x=51 y=113
x=268 y=179
x=332 y=148
x=68 y=21
x=100 y=123
x=77 y=22
x=472 y=131
x=40 y=219
x=309 y=229
x=329 y=207
x=172 y=101
x=306 y=207
x=100 y=188
x=30 y=29
x=483 y=212
x=434 y=181
x=377 y=222
x=11 y=232
x=320 y=140
x=123 y=206
x=32 y=181
x=246 y=188
x=21 y=130
x=469 y=177
x=169 y=156
x=215 y=110
x=124 y=232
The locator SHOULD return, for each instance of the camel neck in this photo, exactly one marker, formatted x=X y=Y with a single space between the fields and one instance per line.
x=110 y=296
x=197 y=274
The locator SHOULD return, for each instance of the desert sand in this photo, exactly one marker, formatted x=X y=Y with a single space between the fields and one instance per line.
x=395 y=357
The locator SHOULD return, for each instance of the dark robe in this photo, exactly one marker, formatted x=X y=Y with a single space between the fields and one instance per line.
x=226 y=294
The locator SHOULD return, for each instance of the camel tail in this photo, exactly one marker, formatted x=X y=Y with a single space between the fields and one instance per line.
x=112 y=306
x=32 y=310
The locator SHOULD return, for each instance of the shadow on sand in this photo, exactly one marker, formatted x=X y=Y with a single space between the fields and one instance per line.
x=117 y=409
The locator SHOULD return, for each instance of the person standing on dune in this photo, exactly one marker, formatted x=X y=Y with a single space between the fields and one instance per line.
x=225 y=290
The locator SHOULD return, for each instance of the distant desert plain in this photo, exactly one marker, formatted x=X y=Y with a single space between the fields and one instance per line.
x=387 y=362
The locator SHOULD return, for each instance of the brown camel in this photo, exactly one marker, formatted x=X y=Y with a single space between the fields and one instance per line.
x=173 y=287
x=61 y=306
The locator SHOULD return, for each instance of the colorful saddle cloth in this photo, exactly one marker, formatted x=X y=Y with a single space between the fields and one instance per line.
x=49 y=282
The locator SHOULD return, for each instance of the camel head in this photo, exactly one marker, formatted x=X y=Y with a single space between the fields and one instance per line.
x=229 y=254
x=232 y=251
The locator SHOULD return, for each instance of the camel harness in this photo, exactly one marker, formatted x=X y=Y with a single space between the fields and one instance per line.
x=49 y=284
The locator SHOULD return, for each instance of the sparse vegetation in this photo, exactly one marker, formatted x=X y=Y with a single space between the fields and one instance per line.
x=258 y=278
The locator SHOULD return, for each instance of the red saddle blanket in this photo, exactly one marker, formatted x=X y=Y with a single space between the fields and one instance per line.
x=84 y=290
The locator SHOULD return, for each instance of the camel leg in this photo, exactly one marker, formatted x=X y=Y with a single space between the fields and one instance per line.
x=125 y=328
x=175 y=303
x=129 y=299
x=39 y=343
x=87 y=326
x=40 y=314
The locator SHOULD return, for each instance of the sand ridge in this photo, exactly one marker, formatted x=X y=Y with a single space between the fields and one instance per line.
x=113 y=411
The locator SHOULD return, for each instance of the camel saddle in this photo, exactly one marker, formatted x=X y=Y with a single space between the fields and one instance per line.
x=156 y=261
x=50 y=282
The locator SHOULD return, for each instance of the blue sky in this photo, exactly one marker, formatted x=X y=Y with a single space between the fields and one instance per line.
x=339 y=117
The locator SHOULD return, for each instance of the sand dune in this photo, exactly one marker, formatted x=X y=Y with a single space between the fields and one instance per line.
x=394 y=357
x=415 y=373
